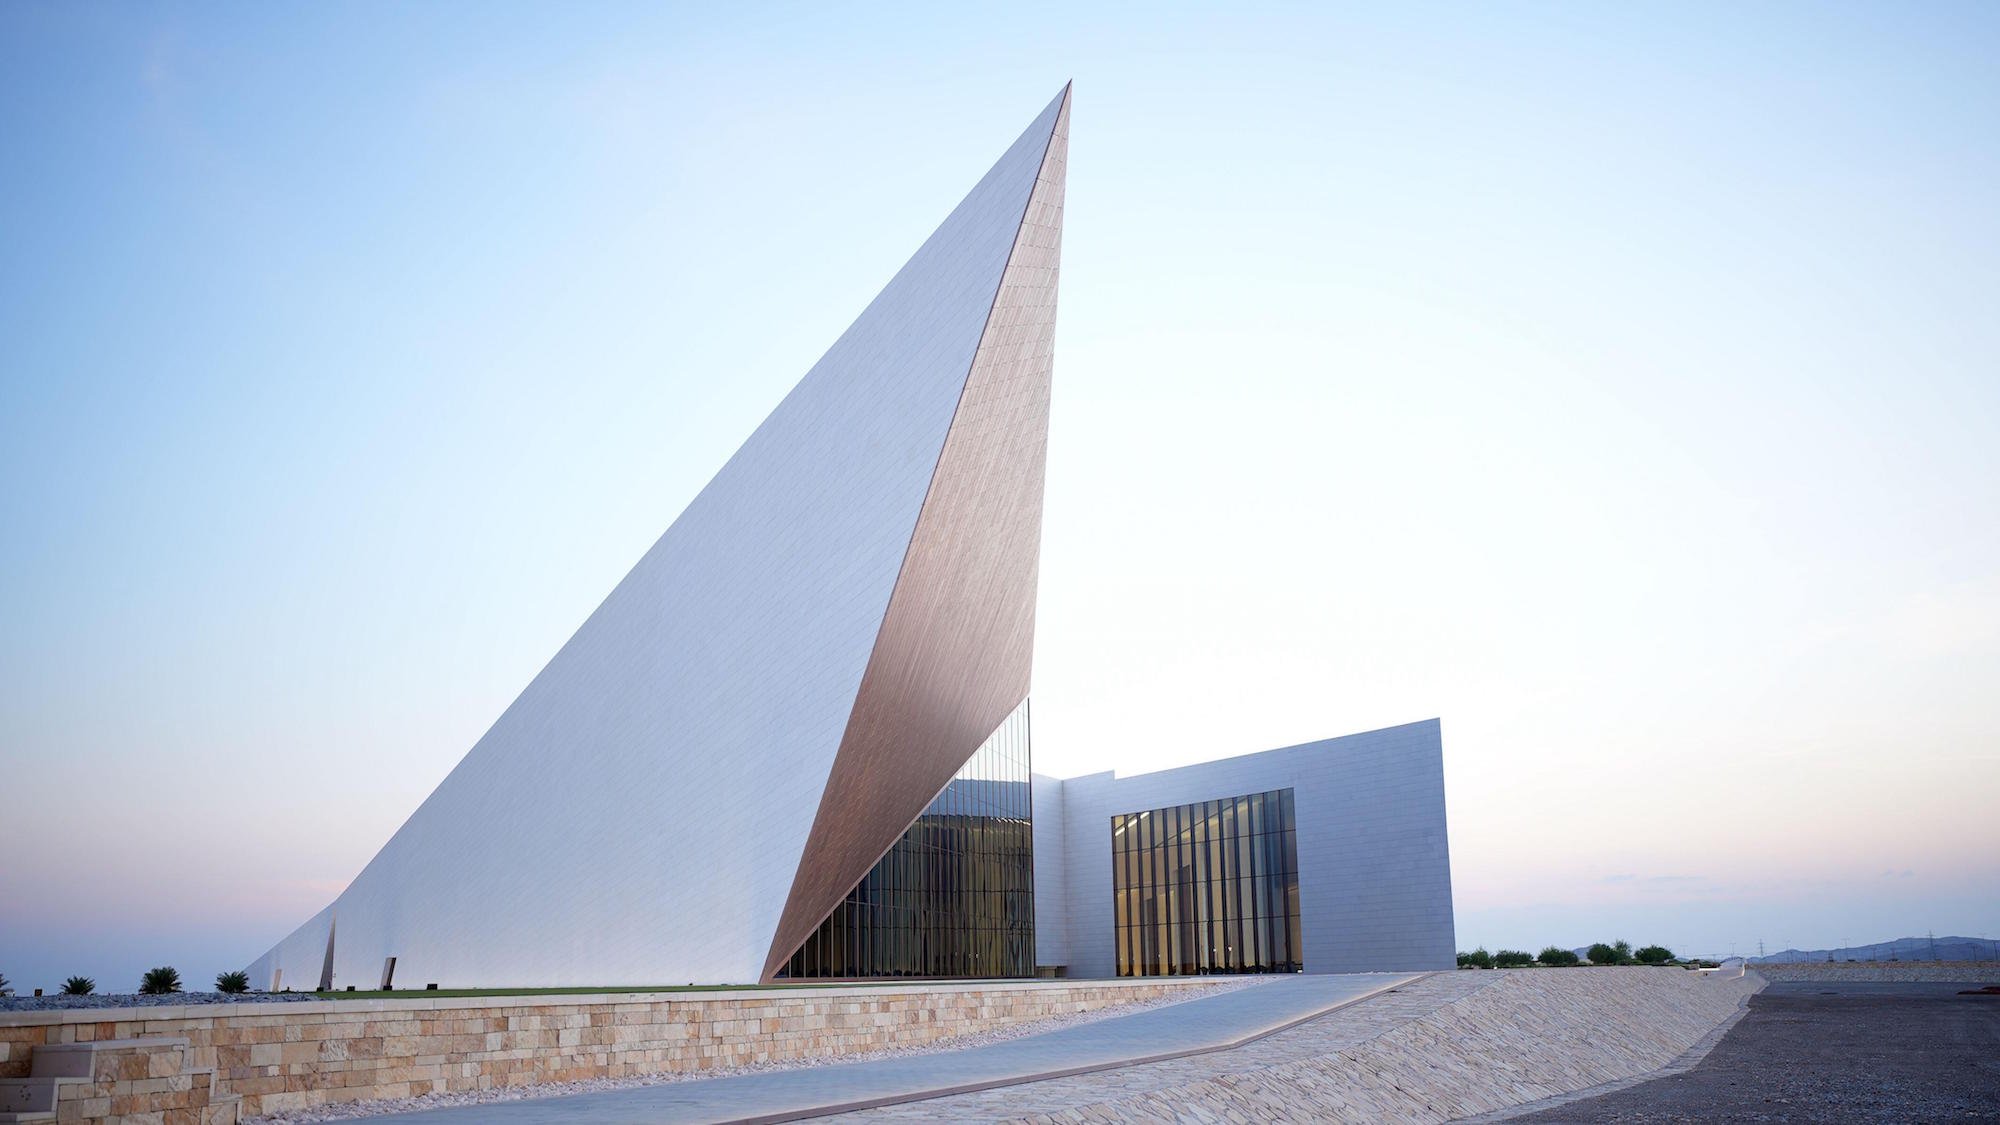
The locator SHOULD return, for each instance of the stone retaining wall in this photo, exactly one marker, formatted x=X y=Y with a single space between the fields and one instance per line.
x=134 y=1081
x=1978 y=972
x=290 y=1056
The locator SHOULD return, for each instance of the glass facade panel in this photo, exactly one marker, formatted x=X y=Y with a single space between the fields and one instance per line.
x=1208 y=888
x=954 y=897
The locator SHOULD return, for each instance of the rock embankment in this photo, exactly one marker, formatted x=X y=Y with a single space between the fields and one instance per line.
x=1456 y=1045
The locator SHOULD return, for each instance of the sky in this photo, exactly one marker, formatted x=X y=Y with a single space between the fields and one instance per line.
x=1618 y=383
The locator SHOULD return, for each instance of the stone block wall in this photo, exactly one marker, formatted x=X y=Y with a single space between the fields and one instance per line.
x=288 y=1056
x=136 y=1082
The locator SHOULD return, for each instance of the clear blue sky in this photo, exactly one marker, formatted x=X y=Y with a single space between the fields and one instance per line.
x=1620 y=383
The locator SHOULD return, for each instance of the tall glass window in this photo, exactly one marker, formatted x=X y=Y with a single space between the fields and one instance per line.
x=1211 y=887
x=954 y=897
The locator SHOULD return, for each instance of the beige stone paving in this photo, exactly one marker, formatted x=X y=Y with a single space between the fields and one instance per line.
x=1449 y=1046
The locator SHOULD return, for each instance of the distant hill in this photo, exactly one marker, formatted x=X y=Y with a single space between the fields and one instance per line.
x=1902 y=949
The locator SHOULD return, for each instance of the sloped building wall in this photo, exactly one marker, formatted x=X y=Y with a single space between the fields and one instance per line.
x=639 y=813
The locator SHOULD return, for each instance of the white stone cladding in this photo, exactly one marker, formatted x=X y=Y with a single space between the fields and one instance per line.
x=1374 y=869
x=1045 y=796
x=637 y=815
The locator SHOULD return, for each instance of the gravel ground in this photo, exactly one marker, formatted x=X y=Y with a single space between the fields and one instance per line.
x=346 y=1110
x=134 y=1000
x=1830 y=1051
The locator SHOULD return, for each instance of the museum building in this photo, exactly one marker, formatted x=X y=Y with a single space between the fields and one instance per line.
x=794 y=741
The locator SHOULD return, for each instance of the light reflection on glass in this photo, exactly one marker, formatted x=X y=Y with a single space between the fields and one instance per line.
x=1211 y=887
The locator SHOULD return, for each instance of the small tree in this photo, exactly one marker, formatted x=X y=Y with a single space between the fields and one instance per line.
x=4 y=990
x=232 y=983
x=1555 y=956
x=160 y=981
x=1654 y=955
x=1512 y=959
x=79 y=986
x=1624 y=950
x=1477 y=959
x=1602 y=954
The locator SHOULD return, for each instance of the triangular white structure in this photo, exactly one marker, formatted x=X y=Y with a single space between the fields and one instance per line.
x=787 y=678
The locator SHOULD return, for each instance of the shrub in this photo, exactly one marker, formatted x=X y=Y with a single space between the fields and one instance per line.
x=79 y=986
x=1654 y=955
x=1512 y=959
x=232 y=983
x=1477 y=959
x=1620 y=953
x=4 y=990
x=1555 y=956
x=160 y=981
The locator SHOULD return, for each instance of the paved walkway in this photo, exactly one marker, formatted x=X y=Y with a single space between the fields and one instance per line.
x=1131 y=1092
x=1205 y=1024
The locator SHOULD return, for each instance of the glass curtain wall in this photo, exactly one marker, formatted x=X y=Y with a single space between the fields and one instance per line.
x=1211 y=887
x=954 y=897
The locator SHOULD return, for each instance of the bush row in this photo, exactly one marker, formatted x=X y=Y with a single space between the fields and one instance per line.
x=1602 y=953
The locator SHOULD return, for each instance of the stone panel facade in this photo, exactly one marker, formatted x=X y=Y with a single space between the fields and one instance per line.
x=1374 y=867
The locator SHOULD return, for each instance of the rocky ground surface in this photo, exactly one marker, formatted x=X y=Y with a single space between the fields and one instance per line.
x=1858 y=1051
x=135 y=1000
x=347 y=1110
x=1943 y=971
x=1446 y=1047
